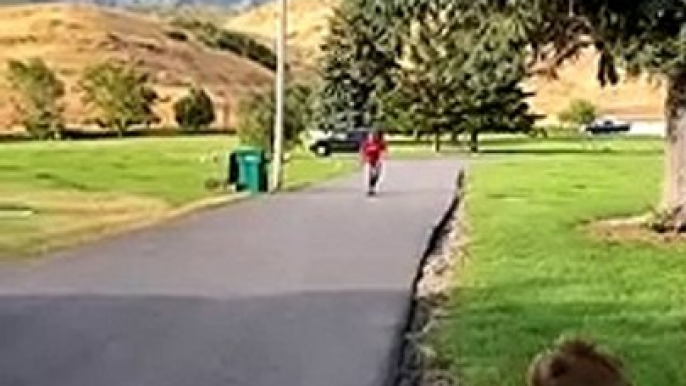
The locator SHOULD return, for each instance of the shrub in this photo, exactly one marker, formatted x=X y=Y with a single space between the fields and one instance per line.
x=245 y=46
x=177 y=35
x=120 y=94
x=38 y=97
x=195 y=110
x=256 y=117
x=238 y=43
x=579 y=112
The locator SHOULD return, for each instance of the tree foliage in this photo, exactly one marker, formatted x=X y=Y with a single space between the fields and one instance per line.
x=38 y=96
x=579 y=112
x=458 y=77
x=194 y=110
x=359 y=57
x=639 y=36
x=120 y=95
x=257 y=117
x=491 y=82
x=428 y=91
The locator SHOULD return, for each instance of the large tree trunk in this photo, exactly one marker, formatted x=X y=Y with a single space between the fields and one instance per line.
x=674 y=197
x=455 y=137
x=474 y=141
x=437 y=141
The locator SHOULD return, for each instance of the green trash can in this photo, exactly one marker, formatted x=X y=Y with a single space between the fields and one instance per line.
x=252 y=170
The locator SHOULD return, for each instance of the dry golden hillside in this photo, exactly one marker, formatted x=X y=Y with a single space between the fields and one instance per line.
x=71 y=37
x=631 y=99
x=308 y=25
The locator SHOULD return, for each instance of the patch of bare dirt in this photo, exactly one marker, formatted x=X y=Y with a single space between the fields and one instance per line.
x=633 y=229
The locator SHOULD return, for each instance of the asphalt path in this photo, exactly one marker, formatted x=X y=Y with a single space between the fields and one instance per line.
x=308 y=288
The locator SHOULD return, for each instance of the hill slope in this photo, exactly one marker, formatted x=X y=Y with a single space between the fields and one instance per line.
x=308 y=25
x=226 y=4
x=71 y=37
x=631 y=99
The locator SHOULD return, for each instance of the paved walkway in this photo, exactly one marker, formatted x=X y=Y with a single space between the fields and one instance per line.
x=302 y=289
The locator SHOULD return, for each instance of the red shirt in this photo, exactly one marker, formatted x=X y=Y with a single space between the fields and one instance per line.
x=372 y=150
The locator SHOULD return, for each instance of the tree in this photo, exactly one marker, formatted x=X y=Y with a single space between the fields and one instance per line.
x=493 y=97
x=427 y=91
x=38 y=96
x=579 y=112
x=358 y=58
x=395 y=109
x=194 y=110
x=459 y=78
x=643 y=36
x=256 y=117
x=120 y=95
x=640 y=36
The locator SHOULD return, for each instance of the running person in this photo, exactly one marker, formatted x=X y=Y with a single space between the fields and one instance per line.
x=372 y=150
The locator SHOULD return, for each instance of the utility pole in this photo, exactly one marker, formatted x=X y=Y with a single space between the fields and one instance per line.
x=277 y=159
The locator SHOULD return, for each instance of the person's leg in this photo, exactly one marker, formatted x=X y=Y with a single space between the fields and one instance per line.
x=370 y=179
x=374 y=174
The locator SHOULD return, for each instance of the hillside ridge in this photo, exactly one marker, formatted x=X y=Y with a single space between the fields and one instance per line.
x=70 y=37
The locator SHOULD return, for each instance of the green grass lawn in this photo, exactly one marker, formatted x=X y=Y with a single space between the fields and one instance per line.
x=534 y=272
x=81 y=188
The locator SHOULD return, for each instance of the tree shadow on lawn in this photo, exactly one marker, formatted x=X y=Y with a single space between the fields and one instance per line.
x=496 y=339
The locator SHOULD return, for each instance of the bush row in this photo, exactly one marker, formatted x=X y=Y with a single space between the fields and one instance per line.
x=118 y=97
x=222 y=39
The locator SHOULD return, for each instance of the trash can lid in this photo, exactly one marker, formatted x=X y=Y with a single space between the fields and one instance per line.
x=245 y=149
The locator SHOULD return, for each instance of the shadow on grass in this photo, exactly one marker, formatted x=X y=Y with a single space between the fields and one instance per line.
x=496 y=331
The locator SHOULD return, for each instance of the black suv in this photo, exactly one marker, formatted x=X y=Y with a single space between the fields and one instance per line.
x=339 y=142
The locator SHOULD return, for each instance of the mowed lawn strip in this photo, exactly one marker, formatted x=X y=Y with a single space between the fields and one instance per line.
x=534 y=271
x=77 y=190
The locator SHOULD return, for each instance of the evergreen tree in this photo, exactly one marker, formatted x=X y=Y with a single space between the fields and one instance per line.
x=356 y=66
x=493 y=73
x=641 y=36
x=458 y=77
